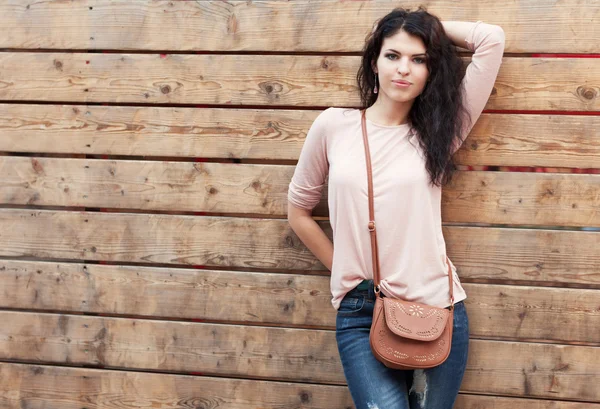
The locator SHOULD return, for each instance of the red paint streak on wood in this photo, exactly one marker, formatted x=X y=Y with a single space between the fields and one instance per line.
x=539 y=112
x=541 y=55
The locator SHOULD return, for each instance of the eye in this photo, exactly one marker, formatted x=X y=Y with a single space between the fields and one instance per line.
x=420 y=60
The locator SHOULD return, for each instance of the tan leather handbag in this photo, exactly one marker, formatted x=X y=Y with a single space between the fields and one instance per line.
x=405 y=334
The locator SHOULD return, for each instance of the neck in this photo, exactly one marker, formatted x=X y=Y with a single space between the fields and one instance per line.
x=389 y=114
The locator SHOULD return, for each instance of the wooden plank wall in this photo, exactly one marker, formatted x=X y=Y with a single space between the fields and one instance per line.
x=146 y=150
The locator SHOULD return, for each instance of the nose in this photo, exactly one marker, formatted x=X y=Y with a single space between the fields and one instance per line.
x=403 y=66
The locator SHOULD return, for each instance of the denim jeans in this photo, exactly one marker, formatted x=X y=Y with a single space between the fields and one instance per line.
x=375 y=386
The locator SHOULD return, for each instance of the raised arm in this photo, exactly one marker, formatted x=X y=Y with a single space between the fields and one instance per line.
x=487 y=43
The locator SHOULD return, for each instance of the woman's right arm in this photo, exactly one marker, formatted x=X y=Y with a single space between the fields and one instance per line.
x=305 y=189
x=311 y=234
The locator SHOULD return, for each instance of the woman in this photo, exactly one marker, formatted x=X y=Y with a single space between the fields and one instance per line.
x=421 y=102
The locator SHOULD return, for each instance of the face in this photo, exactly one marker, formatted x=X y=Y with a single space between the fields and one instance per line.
x=402 y=57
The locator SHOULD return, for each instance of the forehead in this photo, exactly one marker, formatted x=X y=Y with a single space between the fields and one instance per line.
x=404 y=43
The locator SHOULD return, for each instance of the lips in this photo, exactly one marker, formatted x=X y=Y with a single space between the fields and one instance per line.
x=402 y=82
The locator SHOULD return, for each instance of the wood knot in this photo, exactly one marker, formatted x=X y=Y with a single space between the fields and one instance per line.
x=37 y=370
x=58 y=64
x=165 y=89
x=587 y=93
x=305 y=397
x=270 y=87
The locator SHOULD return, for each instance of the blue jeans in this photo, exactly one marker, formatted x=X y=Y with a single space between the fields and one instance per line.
x=375 y=386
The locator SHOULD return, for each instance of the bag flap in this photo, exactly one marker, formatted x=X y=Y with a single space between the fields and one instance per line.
x=414 y=320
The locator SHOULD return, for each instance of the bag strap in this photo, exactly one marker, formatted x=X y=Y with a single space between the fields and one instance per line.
x=371 y=225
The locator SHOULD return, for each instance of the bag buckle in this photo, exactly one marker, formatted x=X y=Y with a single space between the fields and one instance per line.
x=371 y=225
x=451 y=307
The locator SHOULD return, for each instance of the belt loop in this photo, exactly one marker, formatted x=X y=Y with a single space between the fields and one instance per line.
x=371 y=290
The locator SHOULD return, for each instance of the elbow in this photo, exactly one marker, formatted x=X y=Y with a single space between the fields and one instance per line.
x=295 y=213
x=499 y=34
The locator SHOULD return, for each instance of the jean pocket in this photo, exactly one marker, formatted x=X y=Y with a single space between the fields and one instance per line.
x=351 y=305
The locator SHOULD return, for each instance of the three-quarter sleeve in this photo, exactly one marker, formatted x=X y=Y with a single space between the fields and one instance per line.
x=311 y=171
x=487 y=43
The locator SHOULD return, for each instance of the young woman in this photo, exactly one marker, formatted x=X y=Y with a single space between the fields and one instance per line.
x=421 y=102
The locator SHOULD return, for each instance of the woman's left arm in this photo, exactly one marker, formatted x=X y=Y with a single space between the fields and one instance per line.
x=487 y=43
x=458 y=31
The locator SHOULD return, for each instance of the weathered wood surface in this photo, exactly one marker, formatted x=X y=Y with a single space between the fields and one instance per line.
x=496 y=139
x=325 y=26
x=23 y=385
x=473 y=197
x=523 y=83
x=287 y=354
x=509 y=254
x=279 y=332
x=526 y=313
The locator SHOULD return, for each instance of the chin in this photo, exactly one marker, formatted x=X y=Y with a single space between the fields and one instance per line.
x=403 y=98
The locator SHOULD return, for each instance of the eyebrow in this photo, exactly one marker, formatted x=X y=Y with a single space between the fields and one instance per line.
x=391 y=49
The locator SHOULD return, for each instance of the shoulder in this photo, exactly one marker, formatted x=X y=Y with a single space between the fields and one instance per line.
x=336 y=116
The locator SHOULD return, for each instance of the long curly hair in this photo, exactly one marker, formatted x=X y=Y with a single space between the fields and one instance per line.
x=437 y=114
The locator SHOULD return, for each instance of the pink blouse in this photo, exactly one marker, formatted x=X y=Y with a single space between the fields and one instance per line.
x=412 y=250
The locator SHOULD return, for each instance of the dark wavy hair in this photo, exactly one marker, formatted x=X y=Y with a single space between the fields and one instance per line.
x=437 y=114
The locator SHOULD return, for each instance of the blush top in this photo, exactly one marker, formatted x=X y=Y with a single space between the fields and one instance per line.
x=412 y=250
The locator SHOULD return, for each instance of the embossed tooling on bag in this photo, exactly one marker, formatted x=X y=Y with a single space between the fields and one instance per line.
x=416 y=321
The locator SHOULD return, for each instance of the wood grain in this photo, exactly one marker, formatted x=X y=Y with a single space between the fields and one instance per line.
x=74 y=388
x=553 y=84
x=55 y=387
x=527 y=313
x=273 y=134
x=516 y=198
x=267 y=333
x=299 y=355
x=324 y=26
x=513 y=254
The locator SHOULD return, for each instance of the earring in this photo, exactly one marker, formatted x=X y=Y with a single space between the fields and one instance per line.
x=375 y=89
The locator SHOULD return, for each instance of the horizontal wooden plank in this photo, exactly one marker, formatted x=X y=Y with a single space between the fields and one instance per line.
x=527 y=313
x=291 y=80
x=506 y=368
x=571 y=141
x=36 y=386
x=155 y=131
x=473 y=197
x=528 y=198
x=496 y=139
x=465 y=401
x=258 y=26
x=66 y=388
x=515 y=254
